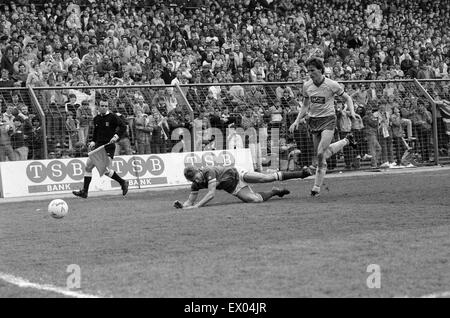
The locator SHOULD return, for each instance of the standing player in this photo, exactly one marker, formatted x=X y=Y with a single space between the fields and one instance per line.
x=108 y=129
x=234 y=181
x=318 y=103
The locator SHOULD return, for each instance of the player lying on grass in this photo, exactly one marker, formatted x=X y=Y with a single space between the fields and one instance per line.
x=235 y=182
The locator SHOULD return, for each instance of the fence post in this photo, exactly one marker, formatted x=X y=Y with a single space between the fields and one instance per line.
x=36 y=103
x=434 y=114
x=184 y=98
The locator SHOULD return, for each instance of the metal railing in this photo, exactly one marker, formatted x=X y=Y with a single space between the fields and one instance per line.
x=259 y=105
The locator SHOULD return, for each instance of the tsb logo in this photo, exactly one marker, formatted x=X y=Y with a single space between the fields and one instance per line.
x=209 y=159
x=138 y=166
x=58 y=170
x=55 y=170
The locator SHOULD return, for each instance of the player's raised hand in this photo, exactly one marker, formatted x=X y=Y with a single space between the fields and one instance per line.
x=114 y=139
x=293 y=127
x=91 y=146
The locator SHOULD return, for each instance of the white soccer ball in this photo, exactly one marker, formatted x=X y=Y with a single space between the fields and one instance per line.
x=58 y=208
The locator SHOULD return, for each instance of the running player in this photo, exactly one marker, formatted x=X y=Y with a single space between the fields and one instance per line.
x=108 y=129
x=318 y=106
x=235 y=182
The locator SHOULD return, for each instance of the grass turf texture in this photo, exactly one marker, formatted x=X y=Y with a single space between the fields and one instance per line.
x=298 y=246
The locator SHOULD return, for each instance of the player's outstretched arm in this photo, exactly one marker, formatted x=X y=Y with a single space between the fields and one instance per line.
x=301 y=115
x=208 y=197
x=191 y=200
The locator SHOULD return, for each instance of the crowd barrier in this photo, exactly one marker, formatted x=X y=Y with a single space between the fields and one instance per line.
x=206 y=111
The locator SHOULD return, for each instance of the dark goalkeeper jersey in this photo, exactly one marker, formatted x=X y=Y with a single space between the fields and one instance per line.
x=105 y=127
x=227 y=179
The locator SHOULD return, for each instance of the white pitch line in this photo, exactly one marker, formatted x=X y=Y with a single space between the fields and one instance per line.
x=437 y=295
x=23 y=283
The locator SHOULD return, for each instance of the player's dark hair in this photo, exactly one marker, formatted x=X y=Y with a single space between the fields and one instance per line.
x=189 y=173
x=317 y=63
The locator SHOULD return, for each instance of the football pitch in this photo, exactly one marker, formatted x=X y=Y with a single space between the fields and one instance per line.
x=367 y=235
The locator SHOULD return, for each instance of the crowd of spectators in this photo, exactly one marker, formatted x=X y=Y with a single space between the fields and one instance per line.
x=125 y=42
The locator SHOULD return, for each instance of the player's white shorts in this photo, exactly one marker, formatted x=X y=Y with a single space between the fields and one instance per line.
x=241 y=184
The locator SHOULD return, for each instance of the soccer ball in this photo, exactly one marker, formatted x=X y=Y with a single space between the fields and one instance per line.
x=58 y=208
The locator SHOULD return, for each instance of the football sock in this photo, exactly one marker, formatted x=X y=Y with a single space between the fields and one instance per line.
x=267 y=195
x=116 y=177
x=316 y=189
x=286 y=175
x=87 y=182
x=335 y=147
x=320 y=175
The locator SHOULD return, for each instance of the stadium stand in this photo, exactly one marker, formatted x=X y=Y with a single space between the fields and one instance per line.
x=224 y=65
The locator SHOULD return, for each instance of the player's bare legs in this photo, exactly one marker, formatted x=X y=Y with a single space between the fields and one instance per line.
x=247 y=195
x=324 y=151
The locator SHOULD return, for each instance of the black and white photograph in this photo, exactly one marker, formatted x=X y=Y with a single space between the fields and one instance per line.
x=225 y=156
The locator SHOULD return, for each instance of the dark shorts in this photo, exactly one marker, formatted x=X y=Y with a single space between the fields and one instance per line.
x=229 y=181
x=318 y=124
